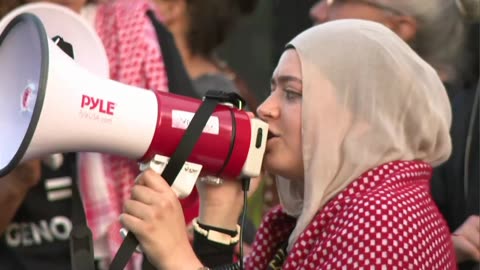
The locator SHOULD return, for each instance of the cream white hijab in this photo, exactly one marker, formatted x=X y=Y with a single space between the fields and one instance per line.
x=368 y=98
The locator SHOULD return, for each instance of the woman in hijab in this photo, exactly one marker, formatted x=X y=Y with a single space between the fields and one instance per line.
x=357 y=120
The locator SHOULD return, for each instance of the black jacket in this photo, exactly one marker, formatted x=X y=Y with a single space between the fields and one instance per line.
x=455 y=188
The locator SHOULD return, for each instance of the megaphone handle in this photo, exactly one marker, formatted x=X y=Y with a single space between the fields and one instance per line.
x=185 y=180
x=172 y=169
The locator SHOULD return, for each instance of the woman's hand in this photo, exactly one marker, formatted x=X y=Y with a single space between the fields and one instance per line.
x=221 y=205
x=154 y=214
x=466 y=240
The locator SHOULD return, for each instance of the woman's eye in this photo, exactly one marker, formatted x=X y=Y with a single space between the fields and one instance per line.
x=291 y=95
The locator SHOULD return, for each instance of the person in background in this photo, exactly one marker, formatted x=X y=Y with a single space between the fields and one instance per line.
x=35 y=224
x=36 y=203
x=434 y=29
x=199 y=28
x=135 y=58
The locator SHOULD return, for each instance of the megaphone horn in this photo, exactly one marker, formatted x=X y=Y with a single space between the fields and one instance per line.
x=77 y=31
x=52 y=105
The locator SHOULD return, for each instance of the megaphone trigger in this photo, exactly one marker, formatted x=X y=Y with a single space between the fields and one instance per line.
x=182 y=186
x=186 y=178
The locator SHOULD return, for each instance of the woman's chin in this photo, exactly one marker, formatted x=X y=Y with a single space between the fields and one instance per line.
x=269 y=164
x=266 y=161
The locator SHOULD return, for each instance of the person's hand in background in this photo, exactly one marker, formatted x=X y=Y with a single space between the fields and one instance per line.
x=24 y=176
x=466 y=240
x=14 y=187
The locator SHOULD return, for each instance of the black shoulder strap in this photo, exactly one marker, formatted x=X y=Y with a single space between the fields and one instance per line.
x=81 y=244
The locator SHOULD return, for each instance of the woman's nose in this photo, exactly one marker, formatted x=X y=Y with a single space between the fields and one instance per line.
x=267 y=110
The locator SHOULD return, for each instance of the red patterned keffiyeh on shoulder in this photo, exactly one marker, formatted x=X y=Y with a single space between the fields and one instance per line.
x=135 y=59
x=384 y=219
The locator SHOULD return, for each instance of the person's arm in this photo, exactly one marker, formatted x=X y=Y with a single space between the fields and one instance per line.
x=154 y=215
x=13 y=189
x=210 y=252
x=220 y=207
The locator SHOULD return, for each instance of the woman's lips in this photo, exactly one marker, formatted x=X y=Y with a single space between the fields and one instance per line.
x=271 y=135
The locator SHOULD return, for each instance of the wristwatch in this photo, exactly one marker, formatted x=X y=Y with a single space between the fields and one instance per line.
x=216 y=236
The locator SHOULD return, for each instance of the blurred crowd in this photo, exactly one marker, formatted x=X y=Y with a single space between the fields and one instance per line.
x=215 y=42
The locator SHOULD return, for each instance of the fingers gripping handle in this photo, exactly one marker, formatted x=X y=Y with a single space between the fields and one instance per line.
x=174 y=167
x=183 y=184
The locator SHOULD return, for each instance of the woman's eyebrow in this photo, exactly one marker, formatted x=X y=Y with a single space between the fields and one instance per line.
x=285 y=79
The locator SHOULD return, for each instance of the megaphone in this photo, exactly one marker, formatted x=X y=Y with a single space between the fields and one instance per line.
x=76 y=32
x=49 y=104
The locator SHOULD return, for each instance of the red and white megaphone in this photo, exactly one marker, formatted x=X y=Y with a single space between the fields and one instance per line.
x=60 y=21
x=50 y=104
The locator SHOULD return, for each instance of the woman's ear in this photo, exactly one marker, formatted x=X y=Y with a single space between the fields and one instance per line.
x=404 y=26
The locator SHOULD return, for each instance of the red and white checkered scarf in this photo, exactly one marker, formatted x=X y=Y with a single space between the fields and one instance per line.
x=135 y=59
x=385 y=219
